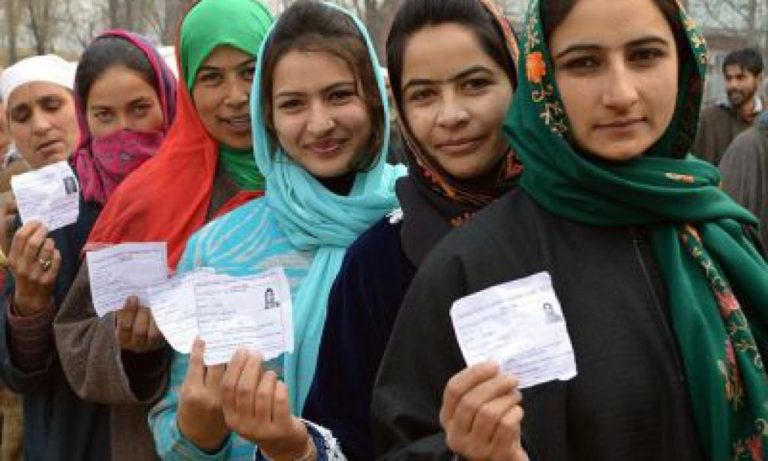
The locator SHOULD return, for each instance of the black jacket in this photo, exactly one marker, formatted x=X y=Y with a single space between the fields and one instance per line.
x=629 y=401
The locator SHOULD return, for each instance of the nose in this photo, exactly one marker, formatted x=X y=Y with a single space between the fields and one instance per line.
x=621 y=88
x=40 y=122
x=320 y=121
x=238 y=93
x=452 y=112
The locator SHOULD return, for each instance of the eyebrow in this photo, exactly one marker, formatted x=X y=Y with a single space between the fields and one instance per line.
x=244 y=63
x=461 y=75
x=647 y=40
x=327 y=89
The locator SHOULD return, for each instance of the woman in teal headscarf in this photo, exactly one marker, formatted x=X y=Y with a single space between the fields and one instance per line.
x=320 y=139
x=662 y=290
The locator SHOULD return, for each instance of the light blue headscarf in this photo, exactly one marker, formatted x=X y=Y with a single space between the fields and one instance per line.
x=316 y=219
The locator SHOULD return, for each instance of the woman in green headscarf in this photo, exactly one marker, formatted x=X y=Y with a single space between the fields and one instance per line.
x=204 y=168
x=649 y=270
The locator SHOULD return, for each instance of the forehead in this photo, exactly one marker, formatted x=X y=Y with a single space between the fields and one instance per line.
x=119 y=84
x=610 y=23
x=226 y=56
x=441 y=51
x=35 y=91
x=735 y=70
x=310 y=70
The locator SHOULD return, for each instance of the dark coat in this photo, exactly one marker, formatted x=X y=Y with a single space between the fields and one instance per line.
x=58 y=425
x=630 y=399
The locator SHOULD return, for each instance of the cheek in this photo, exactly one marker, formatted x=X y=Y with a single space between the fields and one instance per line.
x=576 y=98
x=491 y=109
x=154 y=120
x=206 y=104
x=288 y=128
x=420 y=121
x=358 y=119
x=662 y=94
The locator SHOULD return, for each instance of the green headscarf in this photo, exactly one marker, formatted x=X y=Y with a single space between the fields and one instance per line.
x=717 y=282
x=201 y=32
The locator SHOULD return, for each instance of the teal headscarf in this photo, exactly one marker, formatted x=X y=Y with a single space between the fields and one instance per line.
x=201 y=32
x=717 y=282
x=315 y=219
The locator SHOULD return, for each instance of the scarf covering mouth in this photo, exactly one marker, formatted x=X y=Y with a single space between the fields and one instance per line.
x=717 y=281
x=100 y=175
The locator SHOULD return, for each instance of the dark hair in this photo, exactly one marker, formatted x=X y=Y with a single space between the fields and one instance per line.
x=311 y=26
x=107 y=52
x=748 y=59
x=414 y=15
x=554 y=12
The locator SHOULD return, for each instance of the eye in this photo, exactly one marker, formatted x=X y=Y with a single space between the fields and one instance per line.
x=141 y=110
x=210 y=78
x=103 y=116
x=423 y=95
x=475 y=84
x=646 y=55
x=290 y=105
x=582 y=63
x=341 y=96
x=21 y=114
x=248 y=73
x=51 y=104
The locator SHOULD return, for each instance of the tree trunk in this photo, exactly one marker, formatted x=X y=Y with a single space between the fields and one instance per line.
x=12 y=27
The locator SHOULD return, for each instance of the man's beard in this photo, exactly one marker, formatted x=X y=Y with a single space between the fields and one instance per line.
x=738 y=98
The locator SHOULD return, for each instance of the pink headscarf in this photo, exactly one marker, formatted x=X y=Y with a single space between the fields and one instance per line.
x=101 y=170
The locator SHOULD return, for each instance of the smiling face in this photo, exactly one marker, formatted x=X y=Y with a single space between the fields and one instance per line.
x=221 y=94
x=42 y=122
x=455 y=98
x=617 y=74
x=319 y=115
x=120 y=99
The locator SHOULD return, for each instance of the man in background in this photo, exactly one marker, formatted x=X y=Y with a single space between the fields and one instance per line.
x=721 y=123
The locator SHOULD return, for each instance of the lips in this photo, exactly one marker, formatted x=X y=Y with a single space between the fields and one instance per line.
x=460 y=146
x=239 y=124
x=621 y=123
x=49 y=148
x=327 y=147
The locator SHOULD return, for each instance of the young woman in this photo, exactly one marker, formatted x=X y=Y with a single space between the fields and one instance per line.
x=119 y=73
x=320 y=137
x=121 y=360
x=451 y=65
x=663 y=294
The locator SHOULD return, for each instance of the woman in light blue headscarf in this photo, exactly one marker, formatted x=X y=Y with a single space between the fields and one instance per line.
x=320 y=132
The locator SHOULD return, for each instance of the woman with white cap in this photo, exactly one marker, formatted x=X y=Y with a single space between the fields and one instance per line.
x=41 y=109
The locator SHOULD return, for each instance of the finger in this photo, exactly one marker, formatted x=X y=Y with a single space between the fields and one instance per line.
x=245 y=399
x=213 y=376
x=265 y=395
x=281 y=410
x=477 y=397
x=34 y=243
x=19 y=242
x=488 y=418
x=460 y=384
x=196 y=369
x=507 y=435
x=124 y=319
x=155 y=336
x=38 y=270
x=49 y=276
x=140 y=327
x=230 y=379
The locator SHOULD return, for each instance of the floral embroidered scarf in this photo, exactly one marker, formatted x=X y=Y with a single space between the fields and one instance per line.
x=717 y=281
